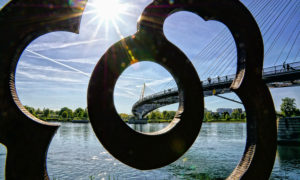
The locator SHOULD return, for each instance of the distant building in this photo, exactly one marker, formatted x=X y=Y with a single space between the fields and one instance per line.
x=222 y=110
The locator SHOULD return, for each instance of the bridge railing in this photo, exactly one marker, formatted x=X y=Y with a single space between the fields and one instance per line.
x=166 y=91
x=217 y=80
x=284 y=68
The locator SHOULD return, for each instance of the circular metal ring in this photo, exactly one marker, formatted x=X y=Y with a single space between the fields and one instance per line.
x=140 y=150
x=259 y=155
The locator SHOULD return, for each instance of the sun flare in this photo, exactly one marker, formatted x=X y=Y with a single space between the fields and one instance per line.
x=108 y=14
x=108 y=10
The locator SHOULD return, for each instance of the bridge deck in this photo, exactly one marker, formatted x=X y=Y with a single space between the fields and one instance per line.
x=277 y=76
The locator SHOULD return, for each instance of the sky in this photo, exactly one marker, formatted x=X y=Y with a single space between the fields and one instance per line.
x=54 y=70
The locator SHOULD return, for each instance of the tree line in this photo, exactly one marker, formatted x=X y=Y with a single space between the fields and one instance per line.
x=236 y=115
x=289 y=108
x=157 y=115
x=167 y=116
x=154 y=116
x=64 y=114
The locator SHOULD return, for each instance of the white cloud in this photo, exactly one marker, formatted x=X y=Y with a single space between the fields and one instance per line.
x=89 y=60
x=59 y=63
x=23 y=66
x=55 y=89
x=47 y=77
x=41 y=46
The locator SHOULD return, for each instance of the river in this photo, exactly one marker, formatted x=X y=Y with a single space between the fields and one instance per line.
x=75 y=153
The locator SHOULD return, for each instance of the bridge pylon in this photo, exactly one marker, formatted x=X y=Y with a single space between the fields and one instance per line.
x=143 y=92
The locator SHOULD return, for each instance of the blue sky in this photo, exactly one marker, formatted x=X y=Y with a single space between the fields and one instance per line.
x=54 y=70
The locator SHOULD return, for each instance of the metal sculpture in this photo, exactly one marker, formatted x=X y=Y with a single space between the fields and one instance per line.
x=149 y=43
x=120 y=140
x=27 y=138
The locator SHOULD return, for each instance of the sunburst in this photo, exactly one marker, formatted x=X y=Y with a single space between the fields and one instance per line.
x=107 y=12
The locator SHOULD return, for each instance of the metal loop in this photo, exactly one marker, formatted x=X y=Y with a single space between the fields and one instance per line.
x=259 y=155
x=19 y=130
x=127 y=145
x=26 y=137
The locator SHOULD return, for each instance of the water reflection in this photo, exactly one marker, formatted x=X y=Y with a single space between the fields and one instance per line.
x=215 y=152
x=75 y=153
x=150 y=127
x=288 y=153
x=2 y=160
x=289 y=159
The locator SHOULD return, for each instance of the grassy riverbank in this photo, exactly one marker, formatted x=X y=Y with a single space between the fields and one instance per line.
x=149 y=121
x=210 y=121
x=159 y=121
x=63 y=119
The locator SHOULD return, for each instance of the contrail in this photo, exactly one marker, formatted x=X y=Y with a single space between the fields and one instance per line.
x=53 y=60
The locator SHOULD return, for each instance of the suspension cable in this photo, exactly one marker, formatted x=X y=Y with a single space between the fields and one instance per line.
x=264 y=20
x=281 y=31
x=287 y=42
x=292 y=47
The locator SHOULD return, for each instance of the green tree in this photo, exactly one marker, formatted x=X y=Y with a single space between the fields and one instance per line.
x=46 y=112
x=31 y=110
x=65 y=109
x=152 y=115
x=38 y=111
x=227 y=117
x=79 y=112
x=65 y=114
x=208 y=116
x=158 y=114
x=165 y=115
x=172 y=114
x=243 y=115
x=124 y=116
x=216 y=116
x=288 y=107
x=236 y=114
x=86 y=114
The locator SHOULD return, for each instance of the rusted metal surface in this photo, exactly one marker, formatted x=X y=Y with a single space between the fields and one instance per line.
x=26 y=137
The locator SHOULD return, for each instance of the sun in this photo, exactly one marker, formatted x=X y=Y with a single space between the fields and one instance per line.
x=107 y=14
x=108 y=10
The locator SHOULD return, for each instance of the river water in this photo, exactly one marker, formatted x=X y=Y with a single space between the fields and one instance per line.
x=75 y=153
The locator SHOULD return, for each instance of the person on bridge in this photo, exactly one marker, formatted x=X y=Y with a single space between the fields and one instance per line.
x=209 y=80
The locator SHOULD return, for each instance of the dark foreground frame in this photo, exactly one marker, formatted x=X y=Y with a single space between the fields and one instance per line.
x=27 y=138
x=259 y=155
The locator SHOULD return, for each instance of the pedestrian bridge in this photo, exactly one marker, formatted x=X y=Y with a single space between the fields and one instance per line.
x=286 y=75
